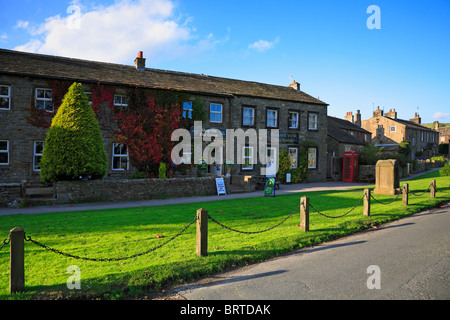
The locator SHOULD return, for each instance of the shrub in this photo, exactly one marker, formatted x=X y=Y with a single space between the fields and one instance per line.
x=73 y=146
x=445 y=171
x=162 y=171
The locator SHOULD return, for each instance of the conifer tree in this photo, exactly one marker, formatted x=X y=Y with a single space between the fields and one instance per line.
x=73 y=146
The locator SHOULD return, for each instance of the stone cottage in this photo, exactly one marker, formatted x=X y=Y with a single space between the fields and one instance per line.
x=31 y=85
x=388 y=132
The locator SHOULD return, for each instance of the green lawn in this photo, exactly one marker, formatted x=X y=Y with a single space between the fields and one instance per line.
x=126 y=232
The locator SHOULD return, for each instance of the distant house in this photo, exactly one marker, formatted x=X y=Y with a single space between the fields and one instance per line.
x=343 y=135
x=388 y=132
x=444 y=133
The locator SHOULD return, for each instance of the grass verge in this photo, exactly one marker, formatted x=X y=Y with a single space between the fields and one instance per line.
x=127 y=232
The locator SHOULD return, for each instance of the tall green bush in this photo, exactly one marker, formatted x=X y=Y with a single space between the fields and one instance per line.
x=73 y=146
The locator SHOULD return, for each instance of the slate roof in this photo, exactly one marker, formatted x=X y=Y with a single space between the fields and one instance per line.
x=337 y=129
x=411 y=124
x=54 y=67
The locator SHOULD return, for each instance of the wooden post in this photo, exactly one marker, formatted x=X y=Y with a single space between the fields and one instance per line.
x=304 y=214
x=433 y=189
x=366 y=210
x=202 y=233
x=405 y=194
x=17 y=260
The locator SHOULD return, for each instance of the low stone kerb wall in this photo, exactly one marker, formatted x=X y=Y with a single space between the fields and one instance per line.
x=133 y=189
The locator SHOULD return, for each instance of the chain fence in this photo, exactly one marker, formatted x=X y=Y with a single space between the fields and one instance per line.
x=54 y=250
x=385 y=203
x=421 y=193
x=28 y=238
x=253 y=232
x=340 y=216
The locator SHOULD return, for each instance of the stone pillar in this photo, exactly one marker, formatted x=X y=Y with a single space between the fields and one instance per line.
x=386 y=177
x=366 y=203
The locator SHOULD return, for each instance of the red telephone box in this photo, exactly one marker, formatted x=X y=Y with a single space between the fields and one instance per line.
x=350 y=166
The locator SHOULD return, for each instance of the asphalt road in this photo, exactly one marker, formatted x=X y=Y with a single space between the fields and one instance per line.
x=411 y=259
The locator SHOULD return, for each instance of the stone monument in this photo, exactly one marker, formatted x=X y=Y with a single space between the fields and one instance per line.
x=386 y=177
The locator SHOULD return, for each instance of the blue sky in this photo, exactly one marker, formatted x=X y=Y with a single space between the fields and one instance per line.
x=325 y=45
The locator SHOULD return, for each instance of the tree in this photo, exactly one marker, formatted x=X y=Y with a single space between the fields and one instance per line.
x=73 y=146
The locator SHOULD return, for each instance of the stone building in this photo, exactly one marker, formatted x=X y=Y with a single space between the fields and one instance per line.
x=388 y=132
x=344 y=135
x=32 y=84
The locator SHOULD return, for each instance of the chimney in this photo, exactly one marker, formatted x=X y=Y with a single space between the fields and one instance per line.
x=295 y=85
x=357 y=118
x=349 y=116
x=391 y=114
x=436 y=125
x=416 y=119
x=378 y=112
x=139 y=62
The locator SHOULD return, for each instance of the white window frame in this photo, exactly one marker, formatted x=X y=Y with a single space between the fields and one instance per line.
x=252 y=117
x=5 y=151
x=250 y=156
x=272 y=118
x=45 y=100
x=291 y=121
x=121 y=105
x=291 y=157
x=120 y=156
x=37 y=155
x=8 y=96
x=314 y=158
x=313 y=119
x=188 y=110
x=215 y=112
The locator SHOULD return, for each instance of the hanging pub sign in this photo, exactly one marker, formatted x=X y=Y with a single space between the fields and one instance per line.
x=269 y=187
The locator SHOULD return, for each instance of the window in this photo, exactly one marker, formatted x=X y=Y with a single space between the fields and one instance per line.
x=4 y=152
x=248 y=116
x=37 y=155
x=43 y=99
x=89 y=96
x=392 y=129
x=422 y=136
x=120 y=103
x=293 y=157
x=215 y=113
x=293 y=120
x=312 y=121
x=247 y=161
x=312 y=158
x=272 y=118
x=120 y=157
x=187 y=110
x=5 y=97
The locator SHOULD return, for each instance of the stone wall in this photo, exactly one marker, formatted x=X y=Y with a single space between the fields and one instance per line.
x=134 y=189
x=10 y=192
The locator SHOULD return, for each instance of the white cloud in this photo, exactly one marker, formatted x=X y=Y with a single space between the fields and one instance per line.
x=441 y=115
x=263 y=45
x=21 y=24
x=114 y=33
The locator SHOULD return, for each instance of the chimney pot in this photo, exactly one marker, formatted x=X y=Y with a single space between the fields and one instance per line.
x=295 y=85
x=139 y=62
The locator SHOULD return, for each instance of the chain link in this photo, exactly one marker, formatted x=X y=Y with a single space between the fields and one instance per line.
x=253 y=232
x=389 y=202
x=5 y=242
x=421 y=194
x=28 y=238
x=334 y=217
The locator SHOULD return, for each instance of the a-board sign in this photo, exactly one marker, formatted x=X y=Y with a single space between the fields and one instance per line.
x=220 y=184
x=269 y=187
